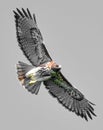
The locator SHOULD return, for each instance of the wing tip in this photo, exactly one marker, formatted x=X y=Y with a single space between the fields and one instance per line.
x=81 y=108
x=23 y=13
x=34 y=17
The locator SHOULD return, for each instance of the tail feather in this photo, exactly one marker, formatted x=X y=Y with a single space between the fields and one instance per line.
x=22 y=69
x=34 y=88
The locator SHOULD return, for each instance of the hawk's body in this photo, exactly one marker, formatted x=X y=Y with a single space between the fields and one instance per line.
x=31 y=42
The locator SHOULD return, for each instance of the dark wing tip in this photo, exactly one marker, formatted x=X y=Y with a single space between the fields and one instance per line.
x=86 y=118
x=92 y=103
x=23 y=13
x=89 y=112
x=29 y=13
x=89 y=115
x=83 y=109
x=92 y=112
x=20 y=12
x=34 y=17
x=15 y=14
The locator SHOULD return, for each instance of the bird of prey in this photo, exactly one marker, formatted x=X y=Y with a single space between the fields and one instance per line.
x=44 y=69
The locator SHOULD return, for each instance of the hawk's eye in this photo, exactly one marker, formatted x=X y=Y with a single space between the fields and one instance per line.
x=57 y=65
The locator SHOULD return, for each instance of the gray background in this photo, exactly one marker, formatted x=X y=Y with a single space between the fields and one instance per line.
x=73 y=33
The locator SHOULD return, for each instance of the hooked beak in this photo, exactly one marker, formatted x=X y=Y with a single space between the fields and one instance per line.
x=56 y=68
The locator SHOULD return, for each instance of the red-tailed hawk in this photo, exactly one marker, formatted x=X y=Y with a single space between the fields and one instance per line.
x=44 y=69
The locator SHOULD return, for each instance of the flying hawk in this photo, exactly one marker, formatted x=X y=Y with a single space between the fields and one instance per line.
x=44 y=69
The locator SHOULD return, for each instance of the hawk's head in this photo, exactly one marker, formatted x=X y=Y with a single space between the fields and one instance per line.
x=52 y=65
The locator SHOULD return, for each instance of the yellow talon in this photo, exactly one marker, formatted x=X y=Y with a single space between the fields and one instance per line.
x=32 y=81
x=30 y=75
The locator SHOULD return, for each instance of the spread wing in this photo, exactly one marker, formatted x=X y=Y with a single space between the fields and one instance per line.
x=30 y=38
x=69 y=96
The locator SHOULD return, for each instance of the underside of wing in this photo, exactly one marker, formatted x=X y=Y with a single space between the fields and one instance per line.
x=30 y=38
x=69 y=96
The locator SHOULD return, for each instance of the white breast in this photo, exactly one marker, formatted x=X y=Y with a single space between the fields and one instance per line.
x=33 y=71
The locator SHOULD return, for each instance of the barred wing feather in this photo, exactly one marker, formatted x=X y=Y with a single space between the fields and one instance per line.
x=70 y=97
x=30 y=38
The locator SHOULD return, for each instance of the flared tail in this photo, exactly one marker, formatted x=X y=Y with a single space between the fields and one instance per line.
x=22 y=69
